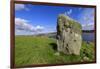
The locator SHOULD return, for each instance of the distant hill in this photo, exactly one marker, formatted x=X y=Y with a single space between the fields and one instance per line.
x=53 y=34
x=88 y=31
x=87 y=35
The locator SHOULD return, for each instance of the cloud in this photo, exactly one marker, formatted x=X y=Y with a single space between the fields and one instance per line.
x=39 y=28
x=88 y=26
x=20 y=7
x=86 y=18
x=69 y=12
x=23 y=25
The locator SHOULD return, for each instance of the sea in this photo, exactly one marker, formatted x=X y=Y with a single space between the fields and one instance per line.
x=88 y=36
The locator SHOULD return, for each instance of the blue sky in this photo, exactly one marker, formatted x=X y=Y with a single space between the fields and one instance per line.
x=34 y=19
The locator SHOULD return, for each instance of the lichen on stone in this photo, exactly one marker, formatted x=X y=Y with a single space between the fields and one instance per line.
x=68 y=35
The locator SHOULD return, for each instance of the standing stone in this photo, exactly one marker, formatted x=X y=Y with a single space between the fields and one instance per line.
x=68 y=35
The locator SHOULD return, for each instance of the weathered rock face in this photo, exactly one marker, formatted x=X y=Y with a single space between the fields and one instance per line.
x=68 y=35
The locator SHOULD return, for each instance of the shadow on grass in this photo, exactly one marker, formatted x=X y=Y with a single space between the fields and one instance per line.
x=54 y=46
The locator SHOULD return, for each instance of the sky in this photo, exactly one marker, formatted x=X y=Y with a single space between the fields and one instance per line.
x=35 y=19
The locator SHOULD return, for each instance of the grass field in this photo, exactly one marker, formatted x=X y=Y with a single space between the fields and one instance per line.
x=41 y=50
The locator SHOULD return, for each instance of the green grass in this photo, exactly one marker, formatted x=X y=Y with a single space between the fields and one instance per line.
x=40 y=50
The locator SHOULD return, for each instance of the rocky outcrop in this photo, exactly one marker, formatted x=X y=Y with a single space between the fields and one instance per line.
x=68 y=35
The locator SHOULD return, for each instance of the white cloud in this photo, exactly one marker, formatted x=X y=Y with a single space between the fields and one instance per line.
x=23 y=25
x=89 y=22
x=20 y=7
x=88 y=27
x=69 y=12
x=18 y=30
x=39 y=28
x=86 y=18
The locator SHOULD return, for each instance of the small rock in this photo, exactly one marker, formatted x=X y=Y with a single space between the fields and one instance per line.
x=57 y=54
x=85 y=58
x=81 y=60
